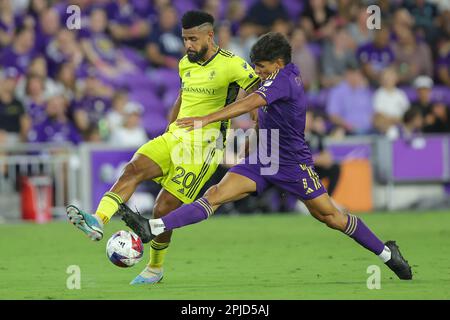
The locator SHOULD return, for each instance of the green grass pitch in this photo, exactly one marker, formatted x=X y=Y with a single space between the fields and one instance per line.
x=276 y=257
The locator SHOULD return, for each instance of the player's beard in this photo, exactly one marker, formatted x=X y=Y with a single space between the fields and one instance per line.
x=194 y=56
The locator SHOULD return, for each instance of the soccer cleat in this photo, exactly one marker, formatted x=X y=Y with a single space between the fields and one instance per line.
x=397 y=263
x=148 y=275
x=85 y=222
x=136 y=222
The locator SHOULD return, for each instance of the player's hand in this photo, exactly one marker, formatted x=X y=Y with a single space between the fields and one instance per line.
x=192 y=123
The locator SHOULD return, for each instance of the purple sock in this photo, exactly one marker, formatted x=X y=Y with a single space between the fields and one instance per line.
x=188 y=214
x=357 y=230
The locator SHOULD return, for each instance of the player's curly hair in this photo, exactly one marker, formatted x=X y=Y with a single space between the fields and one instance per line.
x=196 y=18
x=271 y=46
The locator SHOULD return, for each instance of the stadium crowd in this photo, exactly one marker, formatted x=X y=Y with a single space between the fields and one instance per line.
x=115 y=78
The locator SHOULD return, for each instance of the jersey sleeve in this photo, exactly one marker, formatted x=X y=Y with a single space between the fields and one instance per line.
x=275 y=87
x=242 y=73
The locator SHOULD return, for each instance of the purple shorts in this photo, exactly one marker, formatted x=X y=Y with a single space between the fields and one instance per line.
x=300 y=180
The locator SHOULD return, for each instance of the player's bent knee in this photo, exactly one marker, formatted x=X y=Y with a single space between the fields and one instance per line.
x=211 y=195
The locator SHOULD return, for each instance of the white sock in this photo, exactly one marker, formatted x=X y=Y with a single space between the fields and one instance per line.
x=157 y=226
x=385 y=256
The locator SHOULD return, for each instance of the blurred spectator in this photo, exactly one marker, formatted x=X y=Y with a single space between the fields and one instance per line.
x=358 y=30
x=63 y=48
x=165 y=47
x=412 y=58
x=336 y=55
x=100 y=49
x=46 y=29
x=402 y=18
x=347 y=11
x=387 y=7
x=67 y=82
x=37 y=67
x=14 y=122
x=57 y=128
x=435 y=114
x=20 y=53
x=262 y=15
x=442 y=5
x=131 y=133
x=411 y=125
x=214 y=8
x=304 y=58
x=244 y=36
x=92 y=135
x=35 y=99
x=389 y=102
x=282 y=27
x=93 y=104
x=36 y=8
x=324 y=164
x=350 y=104
x=438 y=120
x=425 y=15
x=116 y=114
x=235 y=15
x=318 y=20
x=226 y=41
x=128 y=21
x=443 y=63
x=376 y=56
x=7 y=23
x=87 y=66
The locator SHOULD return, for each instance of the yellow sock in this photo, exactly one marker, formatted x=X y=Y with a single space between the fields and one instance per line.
x=108 y=205
x=157 y=254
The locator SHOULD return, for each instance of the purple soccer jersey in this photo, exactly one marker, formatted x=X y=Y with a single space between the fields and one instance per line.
x=54 y=131
x=10 y=58
x=285 y=114
x=378 y=58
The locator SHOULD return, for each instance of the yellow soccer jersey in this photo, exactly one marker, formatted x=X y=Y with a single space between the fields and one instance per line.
x=207 y=87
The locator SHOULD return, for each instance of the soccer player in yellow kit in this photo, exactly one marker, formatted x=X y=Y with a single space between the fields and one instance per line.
x=180 y=160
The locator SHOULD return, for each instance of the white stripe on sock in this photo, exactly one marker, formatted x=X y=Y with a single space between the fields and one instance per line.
x=385 y=256
x=157 y=226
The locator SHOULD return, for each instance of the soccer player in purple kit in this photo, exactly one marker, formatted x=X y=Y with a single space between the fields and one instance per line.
x=282 y=106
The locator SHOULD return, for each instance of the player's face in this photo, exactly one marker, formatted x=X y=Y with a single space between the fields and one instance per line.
x=265 y=68
x=196 y=43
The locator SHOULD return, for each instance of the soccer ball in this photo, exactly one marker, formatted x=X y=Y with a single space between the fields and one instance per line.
x=124 y=249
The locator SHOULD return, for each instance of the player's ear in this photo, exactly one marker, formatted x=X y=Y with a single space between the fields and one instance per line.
x=279 y=62
x=211 y=36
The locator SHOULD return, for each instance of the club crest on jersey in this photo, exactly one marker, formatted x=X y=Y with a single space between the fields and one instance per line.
x=212 y=75
x=245 y=65
x=298 y=80
x=187 y=74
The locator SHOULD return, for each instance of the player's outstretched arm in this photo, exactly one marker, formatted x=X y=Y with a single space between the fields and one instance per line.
x=233 y=110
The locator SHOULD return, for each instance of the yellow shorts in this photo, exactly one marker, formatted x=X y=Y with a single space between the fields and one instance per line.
x=186 y=167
